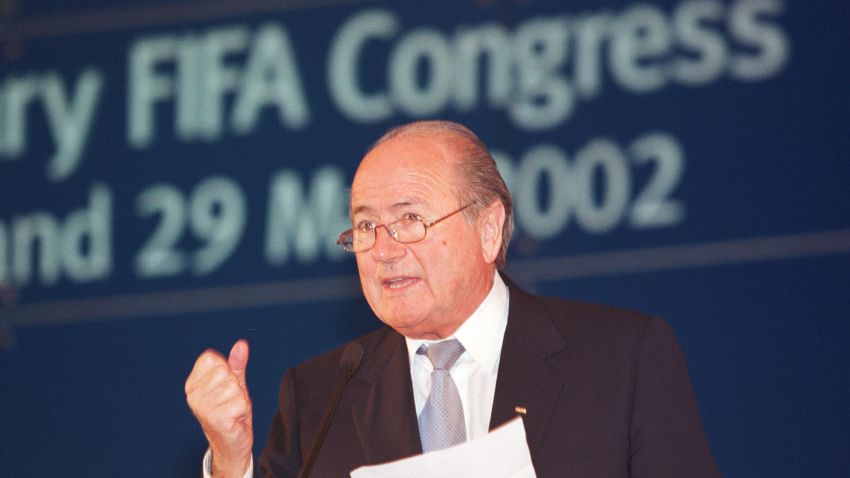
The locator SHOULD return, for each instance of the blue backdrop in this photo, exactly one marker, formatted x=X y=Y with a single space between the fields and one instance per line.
x=173 y=176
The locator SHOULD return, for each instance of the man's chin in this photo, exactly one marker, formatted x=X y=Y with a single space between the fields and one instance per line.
x=406 y=324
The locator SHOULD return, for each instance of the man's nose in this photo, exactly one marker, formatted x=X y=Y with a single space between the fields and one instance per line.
x=386 y=248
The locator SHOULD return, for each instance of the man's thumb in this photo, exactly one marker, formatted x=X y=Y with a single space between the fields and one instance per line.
x=238 y=359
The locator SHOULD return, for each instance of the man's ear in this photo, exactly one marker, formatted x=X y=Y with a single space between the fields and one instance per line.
x=490 y=222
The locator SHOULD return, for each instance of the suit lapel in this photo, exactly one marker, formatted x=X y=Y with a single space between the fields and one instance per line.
x=529 y=372
x=530 y=376
x=383 y=410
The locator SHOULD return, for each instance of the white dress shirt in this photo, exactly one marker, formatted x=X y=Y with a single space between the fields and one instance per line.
x=474 y=372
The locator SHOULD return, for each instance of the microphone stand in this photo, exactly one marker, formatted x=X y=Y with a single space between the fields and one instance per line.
x=348 y=364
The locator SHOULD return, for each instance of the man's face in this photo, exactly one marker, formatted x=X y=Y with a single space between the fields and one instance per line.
x=428 y=288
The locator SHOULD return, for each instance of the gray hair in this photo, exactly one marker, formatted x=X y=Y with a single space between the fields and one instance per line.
x=480 y=181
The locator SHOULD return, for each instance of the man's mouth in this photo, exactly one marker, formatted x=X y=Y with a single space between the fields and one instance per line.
x=398 y=282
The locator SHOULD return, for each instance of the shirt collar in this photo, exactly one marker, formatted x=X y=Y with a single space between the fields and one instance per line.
x=481 y=334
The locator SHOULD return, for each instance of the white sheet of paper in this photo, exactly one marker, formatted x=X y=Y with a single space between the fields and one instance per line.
x=502 y=453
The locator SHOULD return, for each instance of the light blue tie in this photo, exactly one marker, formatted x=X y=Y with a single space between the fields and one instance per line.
x=441 y=422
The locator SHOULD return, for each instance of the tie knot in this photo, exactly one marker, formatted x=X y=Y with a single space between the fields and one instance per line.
x=442 y=354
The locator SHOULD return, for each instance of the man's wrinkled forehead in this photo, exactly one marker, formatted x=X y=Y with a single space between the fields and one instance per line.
x=434 y=146
x=393 y=167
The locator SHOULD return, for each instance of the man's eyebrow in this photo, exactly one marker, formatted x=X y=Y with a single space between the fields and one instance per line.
x=406 y=203
x=360 y=209
x=398 y=205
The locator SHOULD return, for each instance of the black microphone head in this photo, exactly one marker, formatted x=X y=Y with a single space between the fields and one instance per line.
x=351 y=357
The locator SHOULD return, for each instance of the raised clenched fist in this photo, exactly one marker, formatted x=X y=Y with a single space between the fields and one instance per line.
x=218 y=396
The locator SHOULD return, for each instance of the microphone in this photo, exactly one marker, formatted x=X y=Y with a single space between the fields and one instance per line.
x=348 y=364
x=350 y=361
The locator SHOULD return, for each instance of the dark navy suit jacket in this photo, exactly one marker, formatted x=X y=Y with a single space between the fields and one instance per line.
x=606 y=391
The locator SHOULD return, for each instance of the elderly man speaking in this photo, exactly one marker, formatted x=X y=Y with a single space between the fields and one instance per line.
x=604 y=392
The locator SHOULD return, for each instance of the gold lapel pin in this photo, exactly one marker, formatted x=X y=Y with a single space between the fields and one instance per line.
x=520 y=410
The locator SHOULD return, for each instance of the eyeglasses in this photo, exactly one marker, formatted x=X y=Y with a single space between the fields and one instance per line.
x=405 y=231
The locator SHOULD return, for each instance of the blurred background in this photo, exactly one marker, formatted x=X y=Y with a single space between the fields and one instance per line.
x=174 y=174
